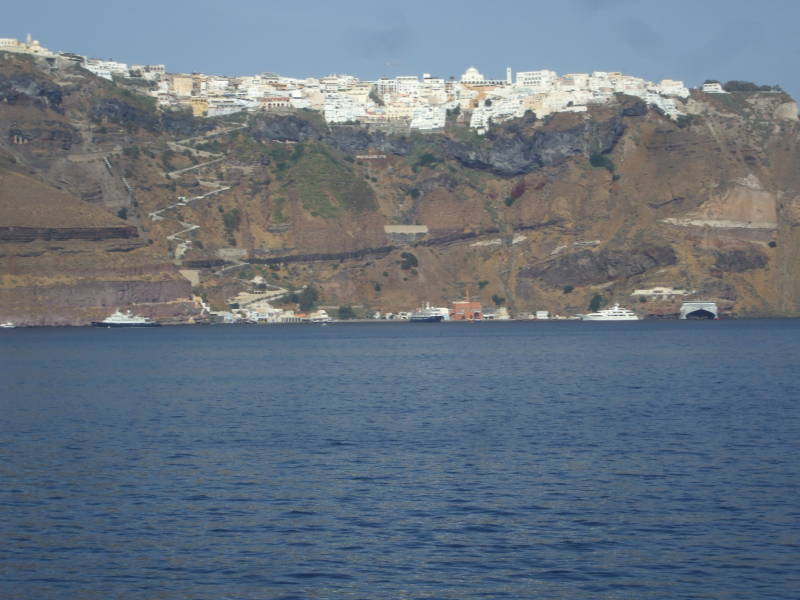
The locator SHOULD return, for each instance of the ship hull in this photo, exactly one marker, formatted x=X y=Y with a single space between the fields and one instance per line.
x=427 y=319
x=101 y=324
x=588 y=318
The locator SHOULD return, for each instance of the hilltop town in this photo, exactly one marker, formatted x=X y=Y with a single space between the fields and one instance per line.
x=397 y=103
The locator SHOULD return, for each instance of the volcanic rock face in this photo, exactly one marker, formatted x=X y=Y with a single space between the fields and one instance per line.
x=94 y=234
x=586 y=267
x=516 y=153
x=738 y=261
x=538 y=214
x=79 y=264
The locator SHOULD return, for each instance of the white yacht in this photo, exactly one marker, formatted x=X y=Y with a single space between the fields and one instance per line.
x=7 y=325
x=128 y=319
x=615 y=313
x=320 y=316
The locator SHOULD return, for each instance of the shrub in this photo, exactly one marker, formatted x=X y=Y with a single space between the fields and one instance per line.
x=599 y=160
x=375 y=96
x=246 y=272
x=307 y=299
x=426 y=160
x=498 y=300
x=346 y=312
x=409 y=261
x=596 y=302
x=131 y=151
x=166 y=159
x=684 y=121
x=568 y=289
x=122 y=213
x=747 y=86
x=482 y=284
x=232 y=219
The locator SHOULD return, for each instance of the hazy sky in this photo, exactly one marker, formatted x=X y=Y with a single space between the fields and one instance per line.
x=681 y=39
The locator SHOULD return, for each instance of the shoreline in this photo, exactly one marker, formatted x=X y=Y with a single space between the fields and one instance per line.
x=401 y=322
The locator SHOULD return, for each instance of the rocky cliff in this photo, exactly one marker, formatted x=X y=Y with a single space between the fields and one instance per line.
x=540 y=214
x=66 y=262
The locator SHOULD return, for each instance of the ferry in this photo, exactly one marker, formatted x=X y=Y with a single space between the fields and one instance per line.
x=128 y=319
x=615 y=313
x=430 y=314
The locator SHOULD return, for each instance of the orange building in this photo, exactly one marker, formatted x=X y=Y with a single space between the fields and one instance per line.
x=465 y=310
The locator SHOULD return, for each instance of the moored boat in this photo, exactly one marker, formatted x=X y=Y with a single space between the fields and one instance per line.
x=128 y=319
x=615 y=313
x=7 y=325
x=430 y=314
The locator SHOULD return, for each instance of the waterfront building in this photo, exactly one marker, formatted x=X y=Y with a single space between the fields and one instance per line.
x=466 y=310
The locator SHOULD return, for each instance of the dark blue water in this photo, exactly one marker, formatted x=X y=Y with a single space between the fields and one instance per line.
x=495 y=460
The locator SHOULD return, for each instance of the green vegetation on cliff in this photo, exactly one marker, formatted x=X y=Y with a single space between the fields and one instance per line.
x=326 y=184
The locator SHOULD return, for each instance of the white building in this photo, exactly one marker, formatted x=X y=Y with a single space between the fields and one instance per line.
x=298 y=100
x=434 y=89
x=218 y=107
x=407 y=85
x=148 y=72
x=106 y=68
x=573 y=82
x=472 y=76
x=537 y=81
x=713 y=87
x=337 y=83
x=29 y=46
x=429 y=117
x=342 y=108
x=670 y=87
x=661 y=293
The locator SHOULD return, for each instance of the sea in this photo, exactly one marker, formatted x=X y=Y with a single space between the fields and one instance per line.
x=575 y=460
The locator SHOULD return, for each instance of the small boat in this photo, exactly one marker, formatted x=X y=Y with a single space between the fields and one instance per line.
x=615 y=313
x=128 y=319
x=7 y=325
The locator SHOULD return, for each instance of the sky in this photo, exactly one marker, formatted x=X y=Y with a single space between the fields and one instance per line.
x=692 y=40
